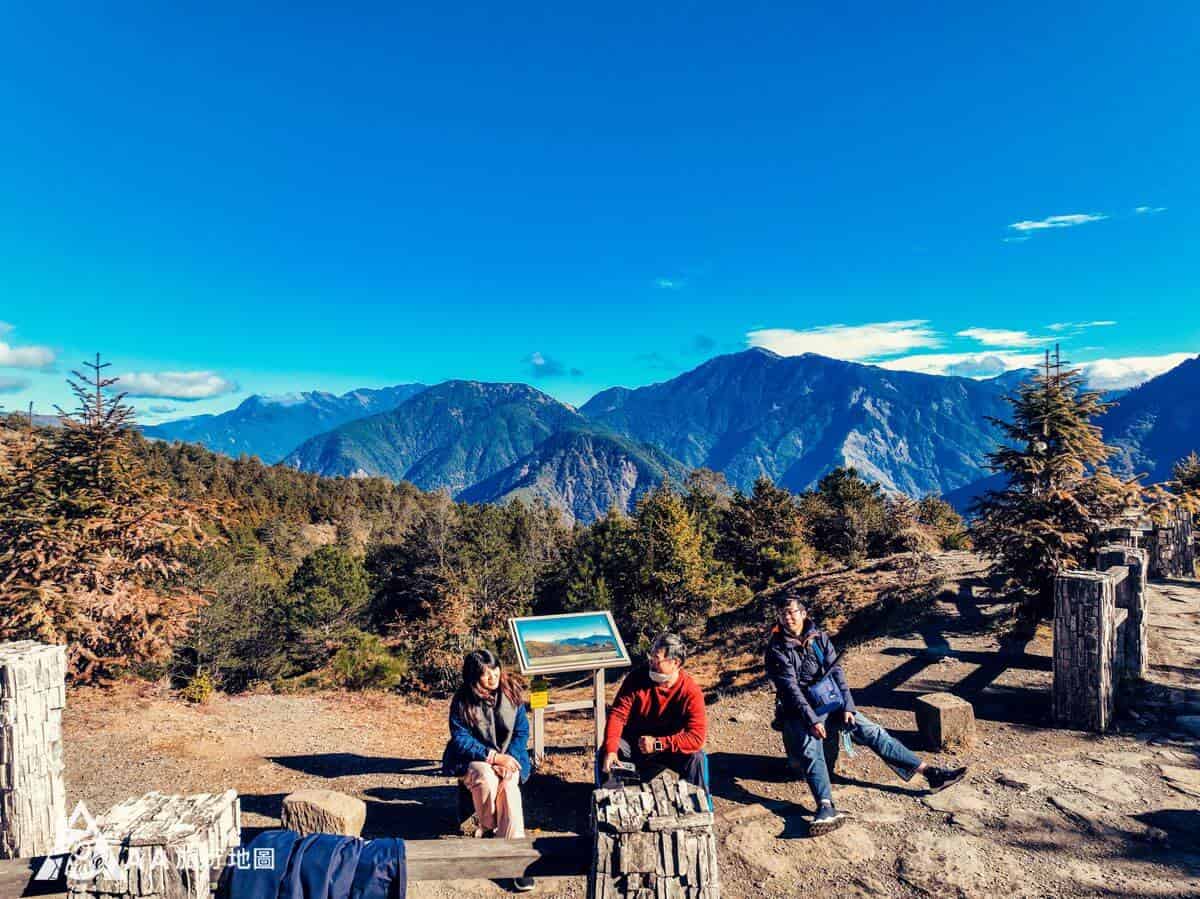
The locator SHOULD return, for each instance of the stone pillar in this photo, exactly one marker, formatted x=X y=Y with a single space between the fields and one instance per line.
x=33 y=800
x=653 y=842
x=1131 y=595
x=945 y=721
x=1084 y=649
x=1173 y=546
x=159 y=847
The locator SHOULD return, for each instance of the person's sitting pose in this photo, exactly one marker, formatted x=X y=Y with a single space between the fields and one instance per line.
x=489 y=746
x=657 y=720
x=814 y=706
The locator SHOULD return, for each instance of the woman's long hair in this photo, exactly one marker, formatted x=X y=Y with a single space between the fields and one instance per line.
x=467 y=703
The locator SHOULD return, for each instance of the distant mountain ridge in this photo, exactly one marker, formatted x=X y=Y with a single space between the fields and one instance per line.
x=449 y=436
x=1155 y=425
x=794 y=418
x=583 y=471
x=271 y=427
x=746 y=414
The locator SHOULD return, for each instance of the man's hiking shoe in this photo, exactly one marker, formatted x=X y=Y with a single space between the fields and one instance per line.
x=827 y=818
x=940 y=778
x=522 y=884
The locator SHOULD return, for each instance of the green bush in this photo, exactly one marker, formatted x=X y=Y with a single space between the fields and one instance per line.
x=199 y=688
x=365 y=662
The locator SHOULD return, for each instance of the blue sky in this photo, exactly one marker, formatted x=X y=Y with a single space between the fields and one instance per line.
x=266 y=198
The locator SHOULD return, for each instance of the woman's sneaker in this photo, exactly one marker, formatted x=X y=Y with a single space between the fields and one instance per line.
x=827 y=818
x=522 y=884
x=940 y=778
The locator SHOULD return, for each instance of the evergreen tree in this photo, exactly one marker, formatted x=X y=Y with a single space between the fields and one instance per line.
x=947 y=525
x=848 y=515
x=601 y=566
x=1059 y=490
x=1186 y=479
x=672 y=590
x=92 y=546
x=707 y=496
x=763 y=536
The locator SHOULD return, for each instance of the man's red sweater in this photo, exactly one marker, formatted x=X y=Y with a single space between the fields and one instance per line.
x=674 y=714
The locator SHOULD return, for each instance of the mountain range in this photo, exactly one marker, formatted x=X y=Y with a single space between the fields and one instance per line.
x=270 y=427
x=746 y=414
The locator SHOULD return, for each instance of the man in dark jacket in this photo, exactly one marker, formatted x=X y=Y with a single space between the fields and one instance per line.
x=814 y=706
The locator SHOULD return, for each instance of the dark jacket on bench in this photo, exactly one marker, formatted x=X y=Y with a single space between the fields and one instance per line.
x=793 y=665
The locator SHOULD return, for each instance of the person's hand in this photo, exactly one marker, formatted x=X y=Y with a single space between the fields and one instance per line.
x=506 y=762
x=607 y=763
x=499 y=770
x=818 y=730
x=849 y=719
x=646 y=745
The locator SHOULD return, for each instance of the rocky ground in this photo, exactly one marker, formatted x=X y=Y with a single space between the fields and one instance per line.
x=1044 y=812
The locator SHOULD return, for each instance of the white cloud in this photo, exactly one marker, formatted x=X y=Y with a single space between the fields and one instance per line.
x=668 y=283
x=176 y=385
x=1149 y=210
x=1058 y=221
x=852 y=342
x=1021 y=239
x=13 y=385
x=1129 y=371
x=1079 y=326
x=24 y=356
x=999 y=337
x=986 y=364
x=1101 y=374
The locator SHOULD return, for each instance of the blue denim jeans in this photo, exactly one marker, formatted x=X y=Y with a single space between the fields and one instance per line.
x=814 y=758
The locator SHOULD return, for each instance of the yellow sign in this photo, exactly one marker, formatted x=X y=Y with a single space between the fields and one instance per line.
x=539 y=693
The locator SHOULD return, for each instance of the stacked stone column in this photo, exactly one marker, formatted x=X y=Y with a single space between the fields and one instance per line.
x=33 y=802
x=1085 y=632
x=653 y=842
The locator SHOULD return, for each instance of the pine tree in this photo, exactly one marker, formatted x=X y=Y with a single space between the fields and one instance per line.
x=93 y=545
x=1059 y=491
x=1186 y=480
x=848 y=516
x=672 y=590
x=764 y=536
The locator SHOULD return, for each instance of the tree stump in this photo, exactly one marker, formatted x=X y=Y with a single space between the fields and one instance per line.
x=33 y=800
x=653 y=842
x=324 y=811
x=945 y=720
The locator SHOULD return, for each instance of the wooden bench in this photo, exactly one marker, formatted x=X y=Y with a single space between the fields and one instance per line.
x=451 y=859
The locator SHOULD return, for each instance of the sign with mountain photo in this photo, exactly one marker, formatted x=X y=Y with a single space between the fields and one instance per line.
x=580 y=641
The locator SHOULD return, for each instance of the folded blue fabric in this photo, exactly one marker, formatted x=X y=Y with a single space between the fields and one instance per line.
x=382 y=871
x=252 y=877
x=319 y=866
x=322 y=866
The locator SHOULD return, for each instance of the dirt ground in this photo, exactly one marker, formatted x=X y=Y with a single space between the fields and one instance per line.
x=1044 y=811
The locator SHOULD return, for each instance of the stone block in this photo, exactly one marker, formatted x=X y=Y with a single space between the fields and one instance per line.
x=324 y=811
x=945 y=720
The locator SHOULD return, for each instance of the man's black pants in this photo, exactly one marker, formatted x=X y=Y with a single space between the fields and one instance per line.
x=690 y=766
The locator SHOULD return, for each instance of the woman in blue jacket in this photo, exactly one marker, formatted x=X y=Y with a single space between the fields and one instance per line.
x=489 y=737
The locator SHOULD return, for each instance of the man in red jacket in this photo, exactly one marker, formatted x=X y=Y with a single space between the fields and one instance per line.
x=657 y=720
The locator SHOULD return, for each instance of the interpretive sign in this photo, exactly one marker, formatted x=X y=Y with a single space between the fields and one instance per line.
x=581 y=641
